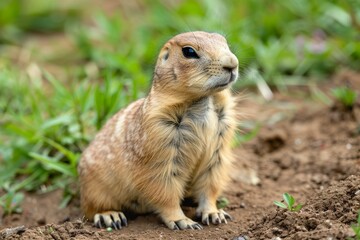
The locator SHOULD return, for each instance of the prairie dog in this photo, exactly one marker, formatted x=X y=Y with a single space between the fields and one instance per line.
x=169 y=145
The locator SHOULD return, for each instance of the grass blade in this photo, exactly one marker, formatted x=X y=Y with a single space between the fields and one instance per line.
x=289 y=199
x=280 y=204
x=53 y=164
x=297 y=208
x=67 y=153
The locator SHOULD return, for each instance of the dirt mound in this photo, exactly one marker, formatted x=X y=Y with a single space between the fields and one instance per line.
x=327 y=215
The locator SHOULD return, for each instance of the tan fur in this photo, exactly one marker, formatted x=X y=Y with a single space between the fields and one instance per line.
x=171 y=144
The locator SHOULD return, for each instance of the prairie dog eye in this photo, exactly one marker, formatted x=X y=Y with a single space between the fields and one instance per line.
x=189 y=52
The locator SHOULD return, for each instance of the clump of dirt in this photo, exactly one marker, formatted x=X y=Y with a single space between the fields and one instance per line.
x=327 y=215
x=53 y=231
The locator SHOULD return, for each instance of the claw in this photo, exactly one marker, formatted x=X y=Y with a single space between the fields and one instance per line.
x=227 y=216
x=102 y=222
x=123 y=219
x=197 y=226
x=222 y=217
x=113 y=225
x=205 y=219
x=118 y=224
x=98 y=224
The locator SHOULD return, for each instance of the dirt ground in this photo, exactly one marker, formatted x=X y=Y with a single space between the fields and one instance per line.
x=305 y=148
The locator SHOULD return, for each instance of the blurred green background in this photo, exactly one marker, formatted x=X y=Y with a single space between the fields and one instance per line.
x=66 y=66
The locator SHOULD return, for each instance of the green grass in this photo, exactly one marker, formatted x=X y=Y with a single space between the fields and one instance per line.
x=17 y=17
x=356 y=228
x=48 y=117
x=345 y=96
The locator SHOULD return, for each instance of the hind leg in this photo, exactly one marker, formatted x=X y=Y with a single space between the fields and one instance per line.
x=104 y=216
x=101 y=207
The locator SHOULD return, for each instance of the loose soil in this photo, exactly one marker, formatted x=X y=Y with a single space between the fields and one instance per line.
x=307 y=149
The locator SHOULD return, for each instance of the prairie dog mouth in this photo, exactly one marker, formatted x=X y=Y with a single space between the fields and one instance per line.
x=222 y=84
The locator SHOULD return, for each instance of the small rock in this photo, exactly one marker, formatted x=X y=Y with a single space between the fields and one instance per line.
x=298 y=141
x=328 y=223
x=69 y=226
x=5 y=233
x=276 y=230
x=300 y=228
x=241 y=238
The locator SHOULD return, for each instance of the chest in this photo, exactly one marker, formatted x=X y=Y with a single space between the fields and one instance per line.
x=179 y=138
x=199 y=130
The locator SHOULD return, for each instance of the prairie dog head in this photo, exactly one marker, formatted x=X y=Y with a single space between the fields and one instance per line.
x=198 y=63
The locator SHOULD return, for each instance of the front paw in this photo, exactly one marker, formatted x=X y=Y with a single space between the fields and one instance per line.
x=216 y=218
x=182 y=224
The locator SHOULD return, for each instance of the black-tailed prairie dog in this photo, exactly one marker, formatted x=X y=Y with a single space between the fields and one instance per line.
x=172 y=144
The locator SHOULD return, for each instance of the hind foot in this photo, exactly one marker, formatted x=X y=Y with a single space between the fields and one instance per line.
x=113 y=219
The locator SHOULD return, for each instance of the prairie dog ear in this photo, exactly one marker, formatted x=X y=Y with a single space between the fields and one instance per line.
x=164 y=55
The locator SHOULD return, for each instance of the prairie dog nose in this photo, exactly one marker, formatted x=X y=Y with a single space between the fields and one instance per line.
x=229 y=62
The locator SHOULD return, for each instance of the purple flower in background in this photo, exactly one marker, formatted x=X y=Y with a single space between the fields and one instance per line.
x=318 y=42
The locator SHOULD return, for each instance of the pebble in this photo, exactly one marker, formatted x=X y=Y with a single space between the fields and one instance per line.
x=241 y=238
x=298 y=141
x=276 y=230
x=328 y=223
x=348 y=146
